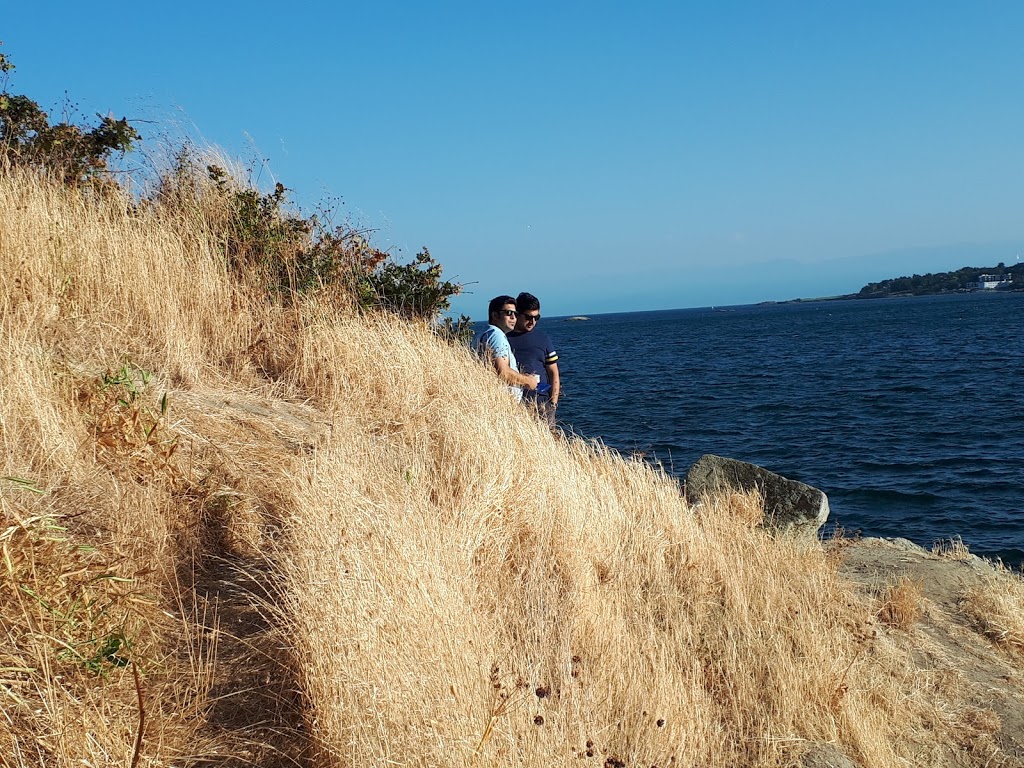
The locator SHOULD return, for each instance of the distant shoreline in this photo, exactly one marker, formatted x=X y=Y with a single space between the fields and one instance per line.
x=894 y=295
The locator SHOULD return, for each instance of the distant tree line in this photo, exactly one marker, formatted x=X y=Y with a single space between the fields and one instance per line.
x=941 y=282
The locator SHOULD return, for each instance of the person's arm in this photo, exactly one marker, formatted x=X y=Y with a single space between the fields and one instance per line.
x=513 y=377
x=552 y=369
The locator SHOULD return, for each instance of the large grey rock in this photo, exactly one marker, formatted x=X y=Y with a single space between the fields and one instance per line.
x=789 y=506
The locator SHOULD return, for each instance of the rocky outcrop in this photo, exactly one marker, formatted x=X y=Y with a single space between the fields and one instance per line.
x=789 y=506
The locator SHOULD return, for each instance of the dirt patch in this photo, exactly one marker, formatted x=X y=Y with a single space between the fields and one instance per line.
x=243 y=446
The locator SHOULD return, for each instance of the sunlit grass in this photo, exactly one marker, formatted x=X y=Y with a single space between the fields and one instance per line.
x=295 y=535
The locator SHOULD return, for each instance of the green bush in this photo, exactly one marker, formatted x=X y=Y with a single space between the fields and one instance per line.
x=417 y=290
x=297 y=254
x=75 y=154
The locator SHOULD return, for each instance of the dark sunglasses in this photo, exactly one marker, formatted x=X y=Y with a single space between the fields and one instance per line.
x=509 y=313
x=533 y=318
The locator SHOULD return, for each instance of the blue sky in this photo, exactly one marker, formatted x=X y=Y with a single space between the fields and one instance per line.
x=604 y=156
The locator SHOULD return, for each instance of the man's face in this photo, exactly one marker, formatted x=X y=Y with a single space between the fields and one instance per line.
x=527 y=320
x=505 y=318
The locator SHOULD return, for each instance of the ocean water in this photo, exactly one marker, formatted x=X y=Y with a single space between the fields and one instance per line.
x=907 y=412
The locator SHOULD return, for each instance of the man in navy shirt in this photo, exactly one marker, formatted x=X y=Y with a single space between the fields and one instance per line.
x=536 y=354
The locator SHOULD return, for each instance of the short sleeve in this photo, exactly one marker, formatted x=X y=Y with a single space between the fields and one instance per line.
x=550 y=355
x=490 y=344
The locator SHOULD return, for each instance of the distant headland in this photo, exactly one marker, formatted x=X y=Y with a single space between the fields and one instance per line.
x=963 y=280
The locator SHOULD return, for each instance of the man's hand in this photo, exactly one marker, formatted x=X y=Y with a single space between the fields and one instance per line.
x=511 y=376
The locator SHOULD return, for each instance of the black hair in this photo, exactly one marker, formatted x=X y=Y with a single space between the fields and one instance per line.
x=527 y=302
x=497 y=303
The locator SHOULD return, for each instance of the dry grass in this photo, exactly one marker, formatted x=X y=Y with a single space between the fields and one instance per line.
x=998 y=609
x=952 y=549
x=900 y=604
x=438 y=582
x=81 y=662
x=105 y=504
x=337 y=542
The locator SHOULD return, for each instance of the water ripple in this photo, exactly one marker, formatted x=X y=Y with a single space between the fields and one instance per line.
x=903 y=411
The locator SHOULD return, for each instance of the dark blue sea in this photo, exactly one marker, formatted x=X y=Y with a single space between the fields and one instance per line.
x=906 y=412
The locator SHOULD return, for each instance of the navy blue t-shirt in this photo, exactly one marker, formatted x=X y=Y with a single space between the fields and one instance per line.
x=533 y=349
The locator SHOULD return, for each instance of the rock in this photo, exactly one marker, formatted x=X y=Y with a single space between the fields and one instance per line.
x=901 y=543
x=789 y=506
x=576 y=319
x=823 y=755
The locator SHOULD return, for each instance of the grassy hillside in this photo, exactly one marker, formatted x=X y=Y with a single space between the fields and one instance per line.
x=237 y=531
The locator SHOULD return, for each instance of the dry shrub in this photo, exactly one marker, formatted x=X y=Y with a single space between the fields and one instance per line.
x=900 y=604
x=997 y=608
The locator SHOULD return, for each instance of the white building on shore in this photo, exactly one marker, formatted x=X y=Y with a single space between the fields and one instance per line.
x=991 y=282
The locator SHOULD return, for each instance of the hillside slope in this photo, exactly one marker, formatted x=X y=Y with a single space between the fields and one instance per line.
x=245 y=533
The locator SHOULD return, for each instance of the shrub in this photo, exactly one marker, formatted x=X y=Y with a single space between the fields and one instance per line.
x=290 y=255
x=417 y=290
x=263 y=242
x=75 y=154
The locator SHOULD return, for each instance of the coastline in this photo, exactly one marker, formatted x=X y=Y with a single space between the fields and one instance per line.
x=893 y=295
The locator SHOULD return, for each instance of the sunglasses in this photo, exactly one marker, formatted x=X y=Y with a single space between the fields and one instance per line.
x=509 y=313
x=531 y=318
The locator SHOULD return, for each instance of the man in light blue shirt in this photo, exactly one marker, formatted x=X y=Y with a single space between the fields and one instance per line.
x=492 y=344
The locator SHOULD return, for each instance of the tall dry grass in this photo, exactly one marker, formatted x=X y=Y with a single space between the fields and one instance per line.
x=104 y=494
x=467 y=589
x=63 y=604
x=998 y=608
x=337 y=542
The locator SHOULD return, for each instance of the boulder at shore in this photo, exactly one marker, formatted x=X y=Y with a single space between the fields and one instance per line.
x=789 y=506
